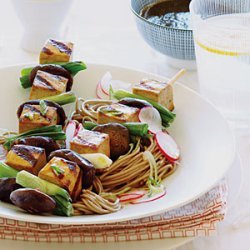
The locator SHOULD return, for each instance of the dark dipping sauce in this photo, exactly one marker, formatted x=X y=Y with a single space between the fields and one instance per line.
x=168 y=13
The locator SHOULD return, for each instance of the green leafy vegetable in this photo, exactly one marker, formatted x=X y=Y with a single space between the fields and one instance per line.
x=29 y=180
x=154 y=183
x=63 y=207
x=166 y=115
x=54 y=131
x=110 y=111
x=60 y=195
x=43 y=107
x=135 y=128
x=72 y=67
x=7 y=171
x=57 y=170
x=61 y=99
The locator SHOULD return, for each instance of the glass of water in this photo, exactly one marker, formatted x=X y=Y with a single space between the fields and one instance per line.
x=222 y=43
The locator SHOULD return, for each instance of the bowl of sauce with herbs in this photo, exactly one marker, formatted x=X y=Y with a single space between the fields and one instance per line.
x=166 y=26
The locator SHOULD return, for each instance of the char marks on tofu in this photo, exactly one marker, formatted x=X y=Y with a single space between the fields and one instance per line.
x=29 y=158
x=56 y=51
x=88 y=170
x=30 y=115
x=54 y=70
x=46 y=84
x=116 y=112
x=47 y=143
x=86 y=142
x=64 y=173
x=156 y=91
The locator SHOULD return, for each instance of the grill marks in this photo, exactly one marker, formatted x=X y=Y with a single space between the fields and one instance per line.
x=33 y=109
x=61 y=46
x=47 y=51
x=26 y=152
x=44 y=82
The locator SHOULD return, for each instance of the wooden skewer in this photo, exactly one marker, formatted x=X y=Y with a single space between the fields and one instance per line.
x=176 y=76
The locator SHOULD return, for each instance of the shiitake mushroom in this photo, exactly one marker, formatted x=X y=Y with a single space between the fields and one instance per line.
x=47 y=143
x=135 y=103
x=55 y=70
x=60 y=110
x=33 y=201
x=119 y=138
x=7 y=186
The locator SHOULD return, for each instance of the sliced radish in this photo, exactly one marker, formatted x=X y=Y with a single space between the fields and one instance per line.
x=79 y=128
x=107 y=81
x=99 y=93
x=152 y=117
x=146 y=199
x=168 y=146
x=131 y=196
x=70 y=132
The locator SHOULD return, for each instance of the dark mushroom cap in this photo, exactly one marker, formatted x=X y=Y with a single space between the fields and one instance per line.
x=119 y=138
x=87 y=167
x=7 y=186
x=33 y=201
x=55 y=70
x=47 y=143
x=60 y=110
x=135 y=103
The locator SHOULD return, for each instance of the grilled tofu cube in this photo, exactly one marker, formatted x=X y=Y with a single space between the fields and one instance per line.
x=116 y=112
x=64 y=173
x=56 y=51
x=87 y=142
x=157 y=91
x=29 y=158
x=46 y=84
x=31 y=117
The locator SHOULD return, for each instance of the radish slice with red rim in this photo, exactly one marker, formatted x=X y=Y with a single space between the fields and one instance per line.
x=152 y=117
x=99 y=93
x=168 y=146
x=79 y=128
x=146 y=199
x=107 y=81
x=70 y=132
x=131 y=196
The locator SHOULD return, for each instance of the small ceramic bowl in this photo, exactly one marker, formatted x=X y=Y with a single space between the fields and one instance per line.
x=176 y=44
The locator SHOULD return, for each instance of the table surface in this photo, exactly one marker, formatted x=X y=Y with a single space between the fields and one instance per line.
x=105 y=32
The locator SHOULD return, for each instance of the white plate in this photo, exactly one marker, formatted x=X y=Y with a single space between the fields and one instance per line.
x=206 y=143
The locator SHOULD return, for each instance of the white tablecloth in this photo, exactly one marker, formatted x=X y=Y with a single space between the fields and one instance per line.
x=105 y=32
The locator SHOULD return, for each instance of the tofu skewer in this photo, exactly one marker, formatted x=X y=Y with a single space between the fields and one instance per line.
x=176 y=77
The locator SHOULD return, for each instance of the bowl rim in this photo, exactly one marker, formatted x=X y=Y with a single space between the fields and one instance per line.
x=154 y=24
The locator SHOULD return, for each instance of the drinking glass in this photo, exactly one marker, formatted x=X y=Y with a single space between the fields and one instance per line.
x=222 y=45
x=41 y=19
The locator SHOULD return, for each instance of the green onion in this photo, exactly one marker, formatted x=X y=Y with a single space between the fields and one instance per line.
x=54 y=131
x=57 y=170
x=43 y=107
x=72 y=67
x=166 y=115
x=63 y=207
x=7 y=171
x=60 y=195
x=61 y=99
x=29 y=180
x=135 y=128
x=110 y=111
x=25 y=81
